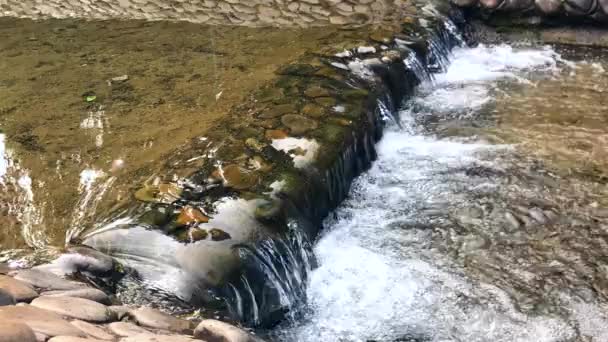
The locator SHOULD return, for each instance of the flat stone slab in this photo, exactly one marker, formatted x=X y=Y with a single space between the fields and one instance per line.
x=47 y=280
x=213 y=330
x=158 y=338
x=94 y=331
x=39 y=320
x=78 y=308
x=126 y=329
x=21 y=291
x=87 y=293
x=152 y=318
x=16 y=332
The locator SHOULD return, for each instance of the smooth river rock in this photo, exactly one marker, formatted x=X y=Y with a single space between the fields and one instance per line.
x=126 y=329
x=212 y=330
x=88 y=293
x=16 y=332
x=6 y=298
x=21 y=291
x=39 y=320
x=73 y=339
x=78 y=308
x=94 y=331
x=158 y=338
x=152 y=318
x=46 y=280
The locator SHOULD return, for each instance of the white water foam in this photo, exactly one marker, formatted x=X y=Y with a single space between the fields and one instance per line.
x=380 y=276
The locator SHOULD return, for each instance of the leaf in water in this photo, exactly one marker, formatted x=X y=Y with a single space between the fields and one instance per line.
x=90 y=98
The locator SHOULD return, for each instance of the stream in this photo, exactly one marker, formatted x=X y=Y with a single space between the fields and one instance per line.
x=466 y=228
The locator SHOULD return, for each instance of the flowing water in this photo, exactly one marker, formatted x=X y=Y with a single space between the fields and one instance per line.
x=484 y=217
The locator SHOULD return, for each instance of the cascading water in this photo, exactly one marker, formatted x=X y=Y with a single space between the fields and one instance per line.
x=393 y=260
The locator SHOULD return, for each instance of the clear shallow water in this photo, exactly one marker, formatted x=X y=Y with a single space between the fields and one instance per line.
x=452 y=237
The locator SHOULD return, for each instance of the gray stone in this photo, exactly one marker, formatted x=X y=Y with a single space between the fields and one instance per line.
x=16 y=332
x=6 y=298
x=78 y=308
x=47 y=280
x=88 y=293
x=152 y=318
x=93 y=331
x=21 y=291
x=41 y=321
x=158 y=338
x=216 y=331
x=126 y=329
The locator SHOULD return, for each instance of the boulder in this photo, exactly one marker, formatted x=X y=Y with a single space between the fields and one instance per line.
x=151 y=318
x=16 y=332
x=93 y=331
x=211 y=330
x=125 y=329
x=6 y=298
x=78 y=308
x=87 y=293
x=158 y=338
x=47 y=280
x=21 y=291
x=41 y=321
x=549 y=7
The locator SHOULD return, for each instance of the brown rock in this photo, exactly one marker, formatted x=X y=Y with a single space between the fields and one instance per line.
x=272 y=134
x=316 y=91
x=93 y=331
x=21 y=292
x=78 y=308
x=40 y=321
x=298 y=124
x=73 y=339
x=88 y=293
x=219 y=235
x=278 y=110
x=152 y=318
x=212 y=330
x=189 y=215
x=46 y=280
x=16 y=332
x=238 y=178
x=158 y=338
x=125 y=329
x=313 y=111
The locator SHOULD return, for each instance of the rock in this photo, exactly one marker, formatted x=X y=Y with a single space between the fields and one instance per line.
x=125 y=329
x=122 y=78
x=74 y=339
x=151 y=318
x=216 y=331
x=464 y=3
x=549 y=7
x=41 y=321
x=6 y=298
x=491 y=4
x=4 y=269
x=189 y=215
x=46 y=280
x=20 y=291
x=158 y=338
x=238 y=178
x=16 y=332
x=91 y=260
x=578 y=7
x=316 y=91
x=88 y=293
x=93 y=331
x=272 y=134
x=313 y=110
x=219 y=235
x=298 y=124
x=278 y=110
x=78 y=308
x=120 y=311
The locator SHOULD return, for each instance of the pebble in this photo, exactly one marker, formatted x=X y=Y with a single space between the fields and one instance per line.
x=92 y=330
x=213 y=330
x=152 y=318
x=125 y=329
x=89 y=293
x=21 y=292
x=47 y=280
x=159 y=338
x=78 y=308
x=41 y=321
x=16 y=332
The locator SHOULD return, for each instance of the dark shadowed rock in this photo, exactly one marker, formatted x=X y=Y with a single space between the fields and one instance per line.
x=119 y=310
x=6 y=298
x=46 y=280
x=94 y=331
x=39 y=320
x=87 y=293
x=21 y=291
x=152 y=318
x=16 y=332
x=125 y=329
x=211 y=330
x=78 y=308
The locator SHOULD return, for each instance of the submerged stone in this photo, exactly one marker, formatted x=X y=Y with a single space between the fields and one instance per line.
x=317 y=91
x=272 y=134
x=278 y=110
x=163 y=193
x=313 y=111
x=219 y=235
x=298 y=124
x=189 y=215
x=238 y=178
